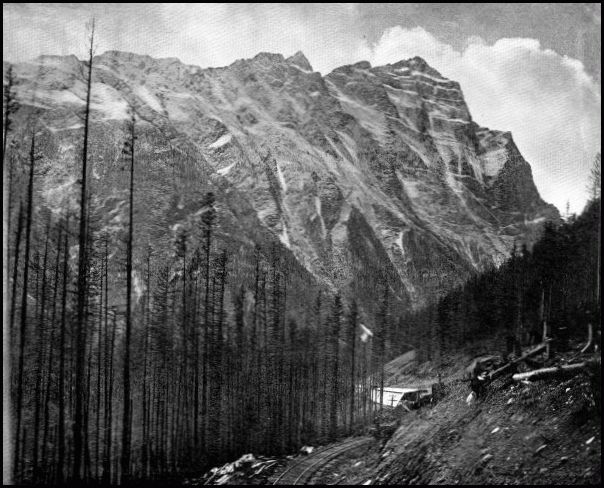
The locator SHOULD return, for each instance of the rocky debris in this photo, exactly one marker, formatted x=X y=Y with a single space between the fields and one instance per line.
x=248 y=469
x=518 y=433
x=306 y=450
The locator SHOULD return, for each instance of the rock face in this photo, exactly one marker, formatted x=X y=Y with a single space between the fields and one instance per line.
x=363 y=172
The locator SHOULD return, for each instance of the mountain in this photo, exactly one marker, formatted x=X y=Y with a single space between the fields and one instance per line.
x=365 y=173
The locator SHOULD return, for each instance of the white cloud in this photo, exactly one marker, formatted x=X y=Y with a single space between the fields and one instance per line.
x=206 y=35
x=549 y=102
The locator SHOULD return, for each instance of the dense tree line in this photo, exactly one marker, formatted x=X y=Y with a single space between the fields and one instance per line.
x=191 y=385
x=139 y=362
x=555 y=285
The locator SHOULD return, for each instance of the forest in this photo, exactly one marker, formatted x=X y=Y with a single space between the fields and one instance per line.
x=556 y=282
x=131 y=364
x=128 y=363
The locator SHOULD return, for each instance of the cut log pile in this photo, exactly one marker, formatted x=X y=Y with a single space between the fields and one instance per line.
x=560 y=370
x=543 y=373
x=507 y=367
x=246 y=467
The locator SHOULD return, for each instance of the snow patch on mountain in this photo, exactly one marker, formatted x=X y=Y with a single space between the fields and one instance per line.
x=301 y=69
x=494 y=161
x=59 y=97
x=146 y=96
x=224 y=171
x=138 y=285
x=221 y=141
x=399 y=242
x=109 y=102
x=61 y=196
x=538 y=220
x=411 y=188
x=366 y=115
x=318 y=214
x=284 y=237
x=281 y=178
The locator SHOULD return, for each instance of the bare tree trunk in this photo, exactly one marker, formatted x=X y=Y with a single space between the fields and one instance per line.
x=42 y=336
x=13 y=295
x=109 y=401
x=98 y=381
x=106 y=476
x=87 y=460
x=6 y=331
x=61 y=386
x=508 y=366
x=145 y=443
x=19 y=406
x=9 y=101
x=353 y=328
x=82 y=288
x=45 y=464
x=125 y=460
x=39 y=361
x=334 y=339
x=549 y=372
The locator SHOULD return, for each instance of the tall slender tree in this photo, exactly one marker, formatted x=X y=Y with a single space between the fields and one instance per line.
x=9 y=108
x=23 y=318
x=13 y=295
x=40 y=356
x=82 y=287
x=61 y=385
x=11 y=105
x=352 y=324
x=51 y=348
x=336 y=318
x=208 y=218
x=127 y=404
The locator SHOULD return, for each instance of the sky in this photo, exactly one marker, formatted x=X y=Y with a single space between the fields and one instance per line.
x=532 y=69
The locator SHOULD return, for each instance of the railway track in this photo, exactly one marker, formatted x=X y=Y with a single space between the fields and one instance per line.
x=301 y=473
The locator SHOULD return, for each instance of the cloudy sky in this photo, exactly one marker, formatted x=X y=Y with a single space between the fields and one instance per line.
x=532 y=69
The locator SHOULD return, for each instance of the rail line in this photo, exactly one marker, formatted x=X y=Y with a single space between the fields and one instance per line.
x=301 y=472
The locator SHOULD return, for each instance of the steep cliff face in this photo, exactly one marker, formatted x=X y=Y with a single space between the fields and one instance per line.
x=366 y=171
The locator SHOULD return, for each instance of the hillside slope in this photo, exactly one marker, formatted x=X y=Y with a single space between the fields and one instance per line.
x=543 y=432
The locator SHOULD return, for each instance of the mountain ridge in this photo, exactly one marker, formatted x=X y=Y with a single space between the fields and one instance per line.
x=392 y=150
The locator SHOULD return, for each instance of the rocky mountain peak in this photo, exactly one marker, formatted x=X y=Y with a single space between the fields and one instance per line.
x=122 y=57
x=138 y=61
x=52 y=59
x=376 y=168
x=418 y=64
x=300 y=60
x=268 y=57
x=362 y=65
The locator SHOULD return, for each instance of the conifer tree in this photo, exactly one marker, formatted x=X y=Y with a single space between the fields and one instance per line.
x=127 y=404
x=336 y=317
x=82 y=286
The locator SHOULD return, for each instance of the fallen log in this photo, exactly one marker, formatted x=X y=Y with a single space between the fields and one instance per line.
x=548 y=372
x=508 y=366
x=589 y=338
